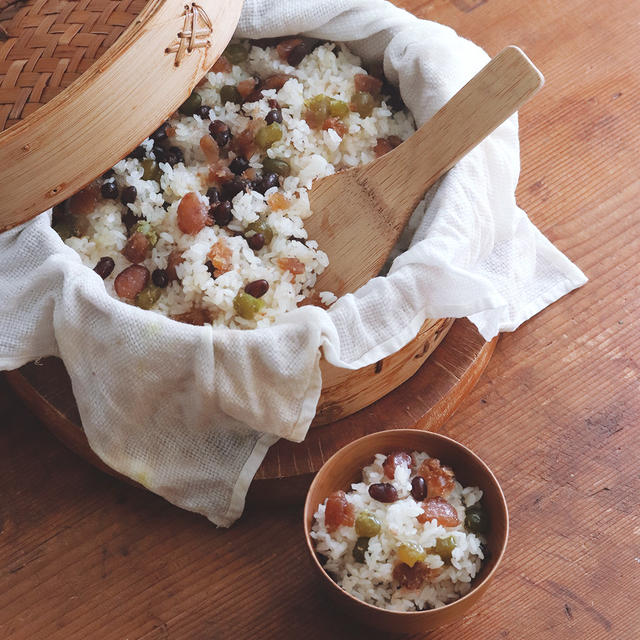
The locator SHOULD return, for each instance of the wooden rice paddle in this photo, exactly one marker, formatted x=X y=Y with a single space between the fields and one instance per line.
x=358 y=214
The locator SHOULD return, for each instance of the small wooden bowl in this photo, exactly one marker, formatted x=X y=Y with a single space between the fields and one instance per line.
x=345 y=467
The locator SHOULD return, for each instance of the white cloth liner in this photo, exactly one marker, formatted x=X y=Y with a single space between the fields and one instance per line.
x=190 y=411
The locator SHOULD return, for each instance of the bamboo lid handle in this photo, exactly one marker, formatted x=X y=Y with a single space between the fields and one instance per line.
x=126 y=94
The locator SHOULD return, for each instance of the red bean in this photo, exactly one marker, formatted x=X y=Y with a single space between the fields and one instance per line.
x=220 y=132
x=109 y=190
x=137 y=247
x=221 y=213
x=160 y=278
x=275 y=115
x=383 y=492
x=130 y=282
x=104 y=267
x=256 y=242
x=128 y=195
x=418 y=488
x=297 y=54
x=257 y=288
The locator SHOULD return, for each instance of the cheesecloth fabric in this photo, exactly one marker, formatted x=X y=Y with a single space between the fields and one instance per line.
x=190 y=411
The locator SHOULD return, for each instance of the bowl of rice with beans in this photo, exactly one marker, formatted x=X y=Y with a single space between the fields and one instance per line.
x=405 y=528
x=204 y=220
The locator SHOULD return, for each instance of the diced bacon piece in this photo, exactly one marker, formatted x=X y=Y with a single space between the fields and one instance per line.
x=246 y=87
x=220 y=256
x=368 y=84
x=278 y=202
x=336 y=124
x=394 y=459
x=196 y=316
x=221 y=65
x=244 y=143
x=440 y=480
x=219 y=172
x=131 y=281
x=137 y=248
x=338 y=511
x=175 y=258
x=249 y=174
x=192 y=214
x=210 y=149
x=292 y=265
x=384 y=145
x=276 y=81
x=440 y=510
x=84 y=202
x=413 y=578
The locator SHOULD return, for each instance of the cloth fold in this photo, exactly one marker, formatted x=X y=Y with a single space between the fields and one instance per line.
x=190 y=411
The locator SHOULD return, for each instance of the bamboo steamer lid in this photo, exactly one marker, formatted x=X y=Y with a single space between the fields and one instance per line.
x=83 y=82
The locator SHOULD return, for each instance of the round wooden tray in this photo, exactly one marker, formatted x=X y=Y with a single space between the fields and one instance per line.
x=425 y=401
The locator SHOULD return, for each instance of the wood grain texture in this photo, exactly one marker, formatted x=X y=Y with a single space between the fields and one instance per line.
x=48 y=45
x=555 y=416
x=44 y=160
x=359 y=214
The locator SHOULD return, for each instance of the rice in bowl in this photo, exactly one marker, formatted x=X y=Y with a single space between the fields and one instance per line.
x=206 y=217
x=408 y=537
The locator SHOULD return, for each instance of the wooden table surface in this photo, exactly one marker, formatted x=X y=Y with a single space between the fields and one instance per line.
x=83 y=555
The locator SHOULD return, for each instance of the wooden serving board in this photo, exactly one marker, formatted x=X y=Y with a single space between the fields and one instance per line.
x=425 y=401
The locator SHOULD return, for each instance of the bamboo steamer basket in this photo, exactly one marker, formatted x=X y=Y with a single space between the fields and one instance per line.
x=83 y=82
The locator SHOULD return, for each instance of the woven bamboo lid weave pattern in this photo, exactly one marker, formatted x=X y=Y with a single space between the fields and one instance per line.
x=82 y=82
x=45 y=46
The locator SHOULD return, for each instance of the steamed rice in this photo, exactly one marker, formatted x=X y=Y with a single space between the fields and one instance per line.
x=372 y=581
x=329 y=70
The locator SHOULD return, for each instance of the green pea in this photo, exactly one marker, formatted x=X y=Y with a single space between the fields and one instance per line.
x=191 y=104
x=260 y=226
x=367 y=525
x=444 y=547
x=230 y=93
x=362 y=544
x=246 y=306
x=144 y=227
x=266 y=136
x=276 y=165
x=151 y=170
x=476 y=519
x=235 y=53
x=148 y=296
x=320 y=106
x=363 y=103
x=338 y=108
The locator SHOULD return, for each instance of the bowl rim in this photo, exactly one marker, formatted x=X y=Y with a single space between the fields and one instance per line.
x=337 y=588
